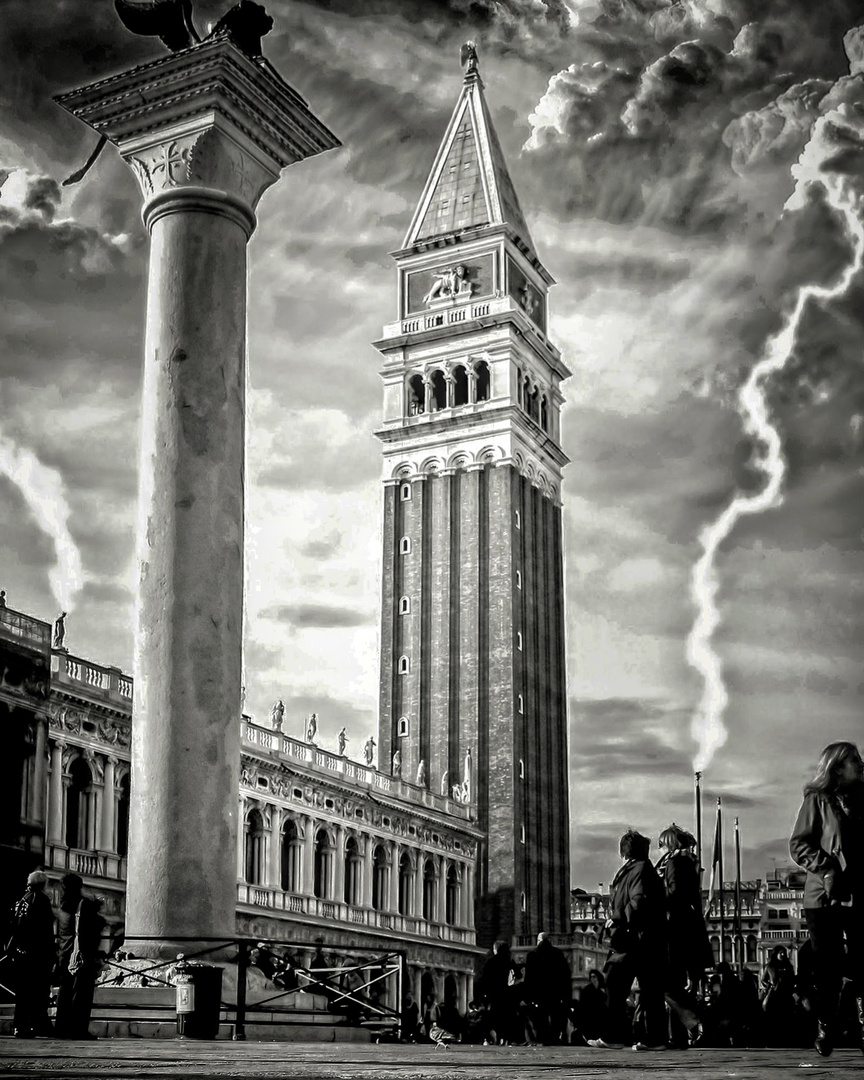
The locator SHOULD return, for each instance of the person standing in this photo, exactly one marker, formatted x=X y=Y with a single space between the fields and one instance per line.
x=548 y=990
x=79 y=926
x=497 y=981
x=689 y=948
x=637 y=949
x=32 y=954
x=777 y=997
x=828 y=842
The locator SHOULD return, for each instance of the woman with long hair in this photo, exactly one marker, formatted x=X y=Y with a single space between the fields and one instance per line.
x=828 y=842
x=687 y=936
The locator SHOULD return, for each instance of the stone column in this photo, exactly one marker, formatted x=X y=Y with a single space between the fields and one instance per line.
x=206 y=131
x=418 y=885
x=339 y=866
x=274 y=861
x=309 y=825
x=109 y=806
x=55 y=794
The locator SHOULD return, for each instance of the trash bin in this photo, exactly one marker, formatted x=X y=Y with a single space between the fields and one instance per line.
x=199 y=1000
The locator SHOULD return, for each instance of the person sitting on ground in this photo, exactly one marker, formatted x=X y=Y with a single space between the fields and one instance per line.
x=592 y=1013
x=777 y=997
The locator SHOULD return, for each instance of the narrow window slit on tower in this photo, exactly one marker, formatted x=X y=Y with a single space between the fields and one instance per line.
x=405 y=605
x=405 y=493
x=403 y=665
x=405 y=545
x=484 y=381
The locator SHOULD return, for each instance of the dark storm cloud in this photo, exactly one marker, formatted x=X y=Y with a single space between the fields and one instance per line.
x=316 y=616
x=614 y=737
x=43 y=195
x=64 y=273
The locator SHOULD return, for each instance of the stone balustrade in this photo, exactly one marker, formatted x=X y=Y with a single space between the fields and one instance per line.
x=88 y=864
x=100 y=683
x=275 y=900
x=354 y=773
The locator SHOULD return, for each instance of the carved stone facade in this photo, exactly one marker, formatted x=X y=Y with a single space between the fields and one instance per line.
x=328 y=847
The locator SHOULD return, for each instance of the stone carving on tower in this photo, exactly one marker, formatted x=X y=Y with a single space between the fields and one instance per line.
x=472 y=647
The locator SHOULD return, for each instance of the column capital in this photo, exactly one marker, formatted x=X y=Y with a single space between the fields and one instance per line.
x=208 y=118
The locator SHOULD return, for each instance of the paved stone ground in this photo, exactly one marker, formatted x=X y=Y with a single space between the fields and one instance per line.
x=146 y=1059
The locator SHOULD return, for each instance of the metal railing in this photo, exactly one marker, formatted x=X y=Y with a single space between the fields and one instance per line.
x=353 y=991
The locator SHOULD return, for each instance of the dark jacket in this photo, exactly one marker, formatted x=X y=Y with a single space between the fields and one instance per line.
x=32 y=937
x=689 y=944
x=638 y=908
x=817 y=845
x=547 y=975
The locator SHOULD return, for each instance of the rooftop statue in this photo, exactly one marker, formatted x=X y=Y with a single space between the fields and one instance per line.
x=468 y=58
x=171 y=21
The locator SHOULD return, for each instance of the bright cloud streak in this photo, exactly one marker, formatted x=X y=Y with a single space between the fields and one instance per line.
x=44 y=492
x=707 y=727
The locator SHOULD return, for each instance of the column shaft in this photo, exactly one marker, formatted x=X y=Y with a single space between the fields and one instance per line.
x=186 y=731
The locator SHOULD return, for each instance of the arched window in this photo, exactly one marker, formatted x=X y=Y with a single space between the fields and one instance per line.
x=122 y=832
x=406 y=881
x=291 y=877
x=402 y=727
x=379 y=879
x=526 y=394
x=460 y=385
x=518 y=574
x=80 y=807
x=519 y=640
x=416 y=395
x=323 y=865
x=352 y=872
x=521 y=769
x=439 y=391
x=522 y=903
x=405 y=493
x=518 y=519
x=451 y=913
x=521 y=834
x=404 y=605
x=518 y=386
x=484 y=381
x=255 y=848
x=751 y=950
x=403 y=665
x=520 y=703
x=405 y=545
x=544 y=414
x=429 y=889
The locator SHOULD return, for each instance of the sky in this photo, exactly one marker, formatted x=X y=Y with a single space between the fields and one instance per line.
x=686 y=169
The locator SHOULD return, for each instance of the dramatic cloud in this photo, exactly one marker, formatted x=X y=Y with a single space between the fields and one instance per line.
x=315 y=615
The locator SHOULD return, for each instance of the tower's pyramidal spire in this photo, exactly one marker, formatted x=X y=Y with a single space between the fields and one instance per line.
x=469 y=185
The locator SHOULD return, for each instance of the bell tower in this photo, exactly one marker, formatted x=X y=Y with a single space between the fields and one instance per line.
x=473 y=690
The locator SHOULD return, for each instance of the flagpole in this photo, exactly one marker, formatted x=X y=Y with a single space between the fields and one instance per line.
x=738 y=932
x=698 y=778
x=718 y=855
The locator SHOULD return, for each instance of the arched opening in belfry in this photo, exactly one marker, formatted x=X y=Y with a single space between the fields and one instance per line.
x=416 y=395
x=379 y=879
x=254 y=853
x=292 y=855
x=80 y=807
x=518 y=386
x=123 y=816
x=534 y=405
x=544 y=413
x=352 y=872
x=439 y=391
x=460 y=385
x=484 y=381
x=406 y=880
x=323 y=860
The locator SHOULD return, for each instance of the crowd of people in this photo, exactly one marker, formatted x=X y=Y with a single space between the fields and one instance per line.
x=37 y=956
x=660 y=985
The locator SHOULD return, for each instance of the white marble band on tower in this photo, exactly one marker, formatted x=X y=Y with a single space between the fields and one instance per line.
x=206 y=131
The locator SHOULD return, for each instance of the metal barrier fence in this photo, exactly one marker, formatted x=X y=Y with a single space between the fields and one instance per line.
x=354 y=990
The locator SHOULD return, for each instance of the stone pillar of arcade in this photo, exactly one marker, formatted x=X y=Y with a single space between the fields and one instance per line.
x=206 y=130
